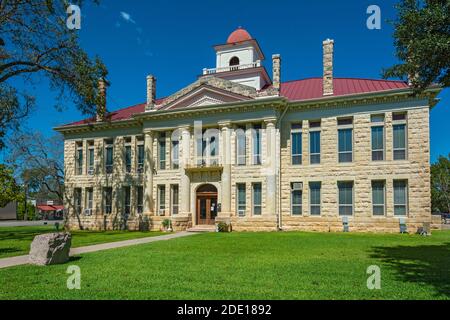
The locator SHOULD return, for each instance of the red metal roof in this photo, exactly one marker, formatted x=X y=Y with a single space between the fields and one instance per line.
x=44 y=207
x=239 y=35
x=121 y=114
x=293 y=90
x=313 y=89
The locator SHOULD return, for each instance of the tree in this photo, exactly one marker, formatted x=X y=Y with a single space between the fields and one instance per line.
x=30 y=213
x=9 y=189
x=422 y=41
x=39 y=163
x=35 y=42
x=440 y=185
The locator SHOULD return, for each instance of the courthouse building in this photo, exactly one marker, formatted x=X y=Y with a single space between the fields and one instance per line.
x=238 y=145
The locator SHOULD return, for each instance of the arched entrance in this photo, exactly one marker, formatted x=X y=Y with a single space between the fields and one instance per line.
x=206 y=204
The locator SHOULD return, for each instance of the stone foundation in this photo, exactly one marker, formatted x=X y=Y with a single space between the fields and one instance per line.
x=263 y=224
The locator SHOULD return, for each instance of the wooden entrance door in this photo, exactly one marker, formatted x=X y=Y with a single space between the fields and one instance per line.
x=206 y=207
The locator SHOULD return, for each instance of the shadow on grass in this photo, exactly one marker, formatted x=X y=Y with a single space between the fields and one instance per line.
x=74 y=258
x=22 y=234
x=423 y=264
x=9 y=250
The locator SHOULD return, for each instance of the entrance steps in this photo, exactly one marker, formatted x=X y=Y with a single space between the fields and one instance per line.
x=202 y=228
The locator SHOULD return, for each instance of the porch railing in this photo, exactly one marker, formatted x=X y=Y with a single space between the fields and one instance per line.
x=256 y=64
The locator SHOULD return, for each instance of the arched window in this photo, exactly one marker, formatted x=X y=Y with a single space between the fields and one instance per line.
x=234 y=61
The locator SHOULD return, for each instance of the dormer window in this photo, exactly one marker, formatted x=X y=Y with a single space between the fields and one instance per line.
x=234 y=61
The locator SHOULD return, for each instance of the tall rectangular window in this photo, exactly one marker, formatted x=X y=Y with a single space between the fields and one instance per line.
x=140 y=156
x=201 y=148
x=128 y=158
x=140 y=199
x=162 y=150
x=345 y=139
x=345 y=198
x=296 y=143
x=161 y=199
x=399 y=141
x=314 y=198
x=174 y=199
x=77 y=200
x=91 y=157
x=240 y=199
x=400 y=136
x=175 y=154
x=89 y=198
x=377 y=137
x=257 y=198
x=107 y=200
x=314 y=147
x=214 y=150
x=296 y=198
x=314 y=141
x=109 y=160
x=378 y=198
x=241 y=148
x=256 y=144
x=127 y=200
x=400 y=197
x=79 y=158
x=345 y=145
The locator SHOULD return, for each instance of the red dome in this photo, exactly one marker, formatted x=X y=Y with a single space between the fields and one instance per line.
x=239 y=35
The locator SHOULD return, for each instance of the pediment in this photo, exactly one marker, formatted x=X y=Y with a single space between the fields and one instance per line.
x=209 y=90
x=205 y=96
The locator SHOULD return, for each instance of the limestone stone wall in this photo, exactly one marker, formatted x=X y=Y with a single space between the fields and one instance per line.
x=329 y=172
x=361 y=171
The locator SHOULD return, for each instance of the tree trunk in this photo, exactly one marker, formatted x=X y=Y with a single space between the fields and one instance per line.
x=25 y=214
x=80 y=225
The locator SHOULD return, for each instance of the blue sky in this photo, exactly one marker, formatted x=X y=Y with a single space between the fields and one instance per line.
x=173 y=40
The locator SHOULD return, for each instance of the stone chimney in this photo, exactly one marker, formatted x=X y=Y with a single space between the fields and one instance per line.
x=101 y=104
x=151 y=92
x=328 y=49
x=276 y=69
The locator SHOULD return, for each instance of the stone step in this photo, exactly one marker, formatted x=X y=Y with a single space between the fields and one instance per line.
x=202 y=228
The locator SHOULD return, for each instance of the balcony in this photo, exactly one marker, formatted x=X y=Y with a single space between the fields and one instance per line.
x=205 y=164
x=232 y=68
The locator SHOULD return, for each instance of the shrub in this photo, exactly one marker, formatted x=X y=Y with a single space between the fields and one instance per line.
x=223 y=227
x=165 y=223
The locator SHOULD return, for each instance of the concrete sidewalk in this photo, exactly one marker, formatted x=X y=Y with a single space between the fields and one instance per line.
x=20 y=260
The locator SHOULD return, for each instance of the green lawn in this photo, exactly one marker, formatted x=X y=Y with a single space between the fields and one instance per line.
x=16 y=241
x=288 y=265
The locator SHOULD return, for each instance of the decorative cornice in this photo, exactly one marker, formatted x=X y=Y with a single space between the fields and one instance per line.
x=278 y=103
x=98 y=126
x=215 y=109
x=364 y=99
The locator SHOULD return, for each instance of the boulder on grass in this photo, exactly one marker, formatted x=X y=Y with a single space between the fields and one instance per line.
x=50 y=248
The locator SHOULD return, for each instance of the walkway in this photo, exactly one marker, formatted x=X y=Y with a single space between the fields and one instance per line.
x=20 y=260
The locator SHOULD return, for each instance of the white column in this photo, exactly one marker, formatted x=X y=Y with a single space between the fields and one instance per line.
x=185 y=187
x=270 y=167
x=226 y=173
x=148 y=177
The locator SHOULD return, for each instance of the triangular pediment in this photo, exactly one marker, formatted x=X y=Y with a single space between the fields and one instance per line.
x=205 y=96
x=209 y=91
